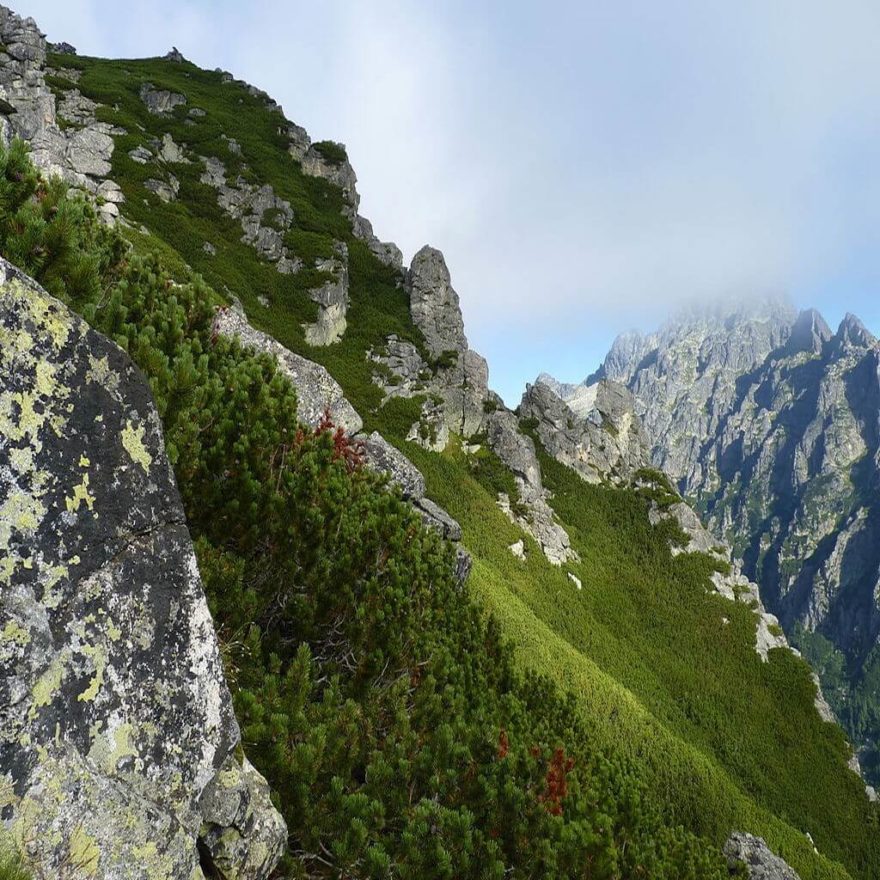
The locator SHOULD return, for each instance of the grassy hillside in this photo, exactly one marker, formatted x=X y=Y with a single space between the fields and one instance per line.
x=659 y=681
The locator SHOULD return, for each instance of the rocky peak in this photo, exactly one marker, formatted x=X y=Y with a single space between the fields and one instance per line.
x=809 y=333
x=434 y=304
x=852 y=333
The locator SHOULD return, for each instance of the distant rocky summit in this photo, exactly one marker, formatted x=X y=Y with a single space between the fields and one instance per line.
x=117 y=736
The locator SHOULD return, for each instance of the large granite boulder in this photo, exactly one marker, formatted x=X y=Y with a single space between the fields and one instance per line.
x=114 y=711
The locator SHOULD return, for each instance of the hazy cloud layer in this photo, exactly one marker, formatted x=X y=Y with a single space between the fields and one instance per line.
x=585 y=167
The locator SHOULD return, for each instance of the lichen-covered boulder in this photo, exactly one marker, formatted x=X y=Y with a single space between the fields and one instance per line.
x=114 y=711
x=241 y=831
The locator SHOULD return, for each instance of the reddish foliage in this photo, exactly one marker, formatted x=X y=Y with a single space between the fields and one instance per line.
x=557 y=782
x=503 y=744
x=351 y=452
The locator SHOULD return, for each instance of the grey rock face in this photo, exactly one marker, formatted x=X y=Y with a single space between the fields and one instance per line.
x=160 y=101
x=388 y=252
x=81 y=155
x=339 y=174
x=434 y=304
x=530 y=510
x=458 y=377
x=382 y=457
x=603 y=441
x=243 y=834
x=114 y=711
x=264 y=216
x=166 y=190
x=332 y=299
x=759 y=859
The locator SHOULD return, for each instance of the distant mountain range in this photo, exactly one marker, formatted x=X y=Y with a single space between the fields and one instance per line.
x=769 y=422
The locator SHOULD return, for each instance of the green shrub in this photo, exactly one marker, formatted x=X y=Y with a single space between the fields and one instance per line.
x=333 y=152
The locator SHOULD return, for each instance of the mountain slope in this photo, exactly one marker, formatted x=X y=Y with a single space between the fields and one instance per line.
x=718 y=739
x=769 y=421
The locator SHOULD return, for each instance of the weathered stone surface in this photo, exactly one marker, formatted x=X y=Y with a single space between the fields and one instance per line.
x=174 y=54
x=386 y=251
x=114 y=712
x=169 y=151
x=140 y=154
x=332 y=299
x=166 y=190
x=434 y=304
x=317 y=391
x=436 y=517
x=242 y=833
x=382 y=457
x=81 y=155
x=160 y=101
x=530 y=511
x=299 y=141
x=340 y=174
x=760 y=861
x=252 y=205
x=604 y=440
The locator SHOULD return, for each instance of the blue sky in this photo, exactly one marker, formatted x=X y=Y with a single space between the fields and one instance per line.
x=586 y=167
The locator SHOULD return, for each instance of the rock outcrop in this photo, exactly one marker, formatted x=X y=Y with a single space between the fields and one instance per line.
x=115 y=718
x=332 y=299
x=317 y=391
x=760 y=861
x=455 y=378
x=602 y=439
x=530 y=510
x=81 y=152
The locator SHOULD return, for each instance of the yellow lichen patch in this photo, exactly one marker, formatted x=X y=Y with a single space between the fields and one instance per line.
x=21 y=512
x=22 y=459
x=101 y=374
x=133 y=441
x=46 y=315
x=84 y=852
x=45 y=379
x=15 y=632
x=99 y=658
x=47 y=686
x=109 y=749
x=80 y=494
x=84 y=462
